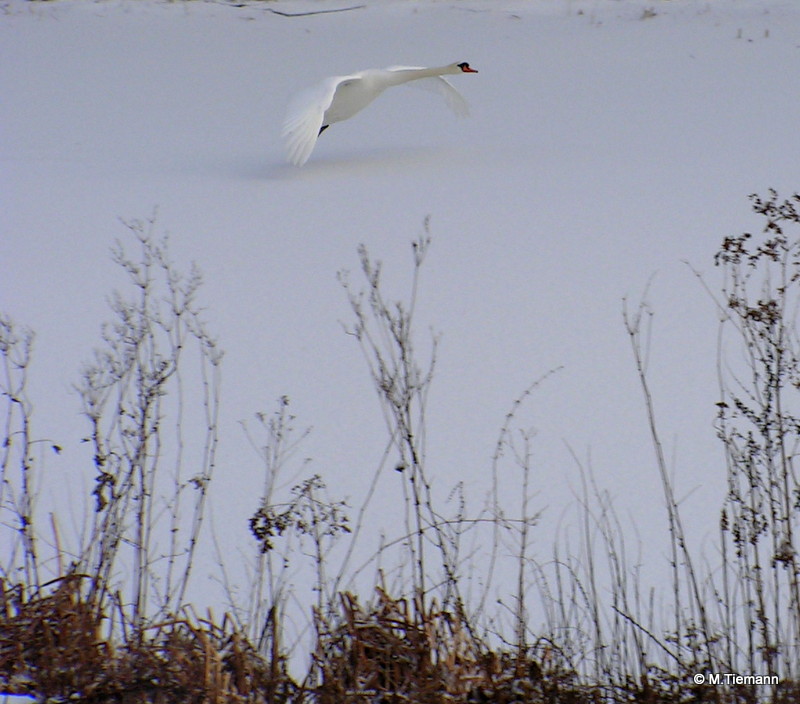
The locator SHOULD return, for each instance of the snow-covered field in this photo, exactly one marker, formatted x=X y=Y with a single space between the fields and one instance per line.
x=610 y=142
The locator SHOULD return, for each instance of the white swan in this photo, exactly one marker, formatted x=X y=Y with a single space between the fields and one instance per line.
x=340 y=97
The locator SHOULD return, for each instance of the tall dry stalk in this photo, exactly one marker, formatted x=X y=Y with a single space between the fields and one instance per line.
x=301 y=523
x=692 y=627
x=136 y=399
x=759 y=423
x=385 y=332
x=517 y=443
x=17 y=460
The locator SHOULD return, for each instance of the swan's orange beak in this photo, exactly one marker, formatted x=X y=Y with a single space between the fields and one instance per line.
x=468 y=69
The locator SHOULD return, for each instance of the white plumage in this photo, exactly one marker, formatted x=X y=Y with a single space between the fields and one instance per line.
x=340 y=97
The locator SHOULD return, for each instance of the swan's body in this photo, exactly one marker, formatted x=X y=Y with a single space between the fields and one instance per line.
x=340 y=97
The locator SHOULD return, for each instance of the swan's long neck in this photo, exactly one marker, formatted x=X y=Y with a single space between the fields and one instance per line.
x=400 y=76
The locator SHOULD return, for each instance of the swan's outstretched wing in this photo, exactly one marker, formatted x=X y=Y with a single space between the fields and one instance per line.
x=304 y=119
x=437 y=84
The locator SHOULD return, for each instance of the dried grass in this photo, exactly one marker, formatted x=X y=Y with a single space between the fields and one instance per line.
x=84 y=637
x=51 y=645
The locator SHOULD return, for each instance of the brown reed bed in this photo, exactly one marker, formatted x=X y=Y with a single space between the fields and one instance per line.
x=116 y=627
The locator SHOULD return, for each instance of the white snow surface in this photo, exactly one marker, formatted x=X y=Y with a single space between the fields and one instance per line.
x=609 y=143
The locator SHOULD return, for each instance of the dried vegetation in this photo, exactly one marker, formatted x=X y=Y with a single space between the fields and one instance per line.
x=106 y=619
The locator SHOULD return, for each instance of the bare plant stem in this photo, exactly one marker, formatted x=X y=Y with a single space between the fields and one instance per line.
x=18 y=494
x=127 y=394
x=678 y=544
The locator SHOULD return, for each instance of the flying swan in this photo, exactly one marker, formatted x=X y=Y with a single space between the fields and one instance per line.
x=340 y=97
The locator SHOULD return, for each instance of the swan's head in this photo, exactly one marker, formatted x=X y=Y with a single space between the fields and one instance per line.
x=464 y=67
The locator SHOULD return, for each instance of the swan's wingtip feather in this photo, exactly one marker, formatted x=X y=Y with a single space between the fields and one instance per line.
x=298 y=147
x=300 y=132
x=303 y=120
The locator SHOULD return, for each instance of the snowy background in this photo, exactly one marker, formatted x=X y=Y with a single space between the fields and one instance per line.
x=610 y=142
